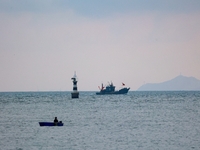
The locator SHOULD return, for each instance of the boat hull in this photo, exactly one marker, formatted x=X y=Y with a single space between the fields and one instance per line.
x=51 y=124
x=122 y=91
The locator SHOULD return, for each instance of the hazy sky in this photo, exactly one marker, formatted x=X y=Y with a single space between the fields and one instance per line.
x=42 y=43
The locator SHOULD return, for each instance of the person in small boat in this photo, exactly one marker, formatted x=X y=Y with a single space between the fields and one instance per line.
x=55 y=120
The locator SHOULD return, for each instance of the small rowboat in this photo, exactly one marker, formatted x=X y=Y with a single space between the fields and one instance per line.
x=51 y=124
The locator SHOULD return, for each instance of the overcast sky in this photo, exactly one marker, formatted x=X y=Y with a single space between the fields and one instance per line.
x=42 y=43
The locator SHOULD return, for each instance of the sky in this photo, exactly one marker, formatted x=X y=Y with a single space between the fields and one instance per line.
x=42 y=43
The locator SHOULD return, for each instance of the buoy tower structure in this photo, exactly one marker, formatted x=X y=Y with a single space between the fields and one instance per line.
x=75 y=93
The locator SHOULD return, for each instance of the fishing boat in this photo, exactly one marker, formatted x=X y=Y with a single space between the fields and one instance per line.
x=51 y=123
x=110 y=89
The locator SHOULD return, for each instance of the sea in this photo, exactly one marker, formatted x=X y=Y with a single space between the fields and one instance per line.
x=135 y=121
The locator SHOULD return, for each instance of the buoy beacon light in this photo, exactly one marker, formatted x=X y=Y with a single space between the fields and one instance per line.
x=75 y=93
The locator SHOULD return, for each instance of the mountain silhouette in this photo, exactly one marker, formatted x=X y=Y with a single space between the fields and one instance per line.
x=179 y=83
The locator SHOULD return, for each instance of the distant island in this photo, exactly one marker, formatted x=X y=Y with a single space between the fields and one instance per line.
x=179 y=83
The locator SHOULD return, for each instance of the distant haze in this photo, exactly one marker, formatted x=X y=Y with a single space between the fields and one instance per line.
x=179 y=83
x=43 y=42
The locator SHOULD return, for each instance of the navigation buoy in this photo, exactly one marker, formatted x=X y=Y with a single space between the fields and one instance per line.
x=75 y=93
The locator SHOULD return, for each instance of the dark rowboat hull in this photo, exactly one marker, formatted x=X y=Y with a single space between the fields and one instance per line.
x=51 y=124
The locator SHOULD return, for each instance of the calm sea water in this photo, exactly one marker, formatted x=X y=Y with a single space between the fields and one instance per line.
x=136 y=121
